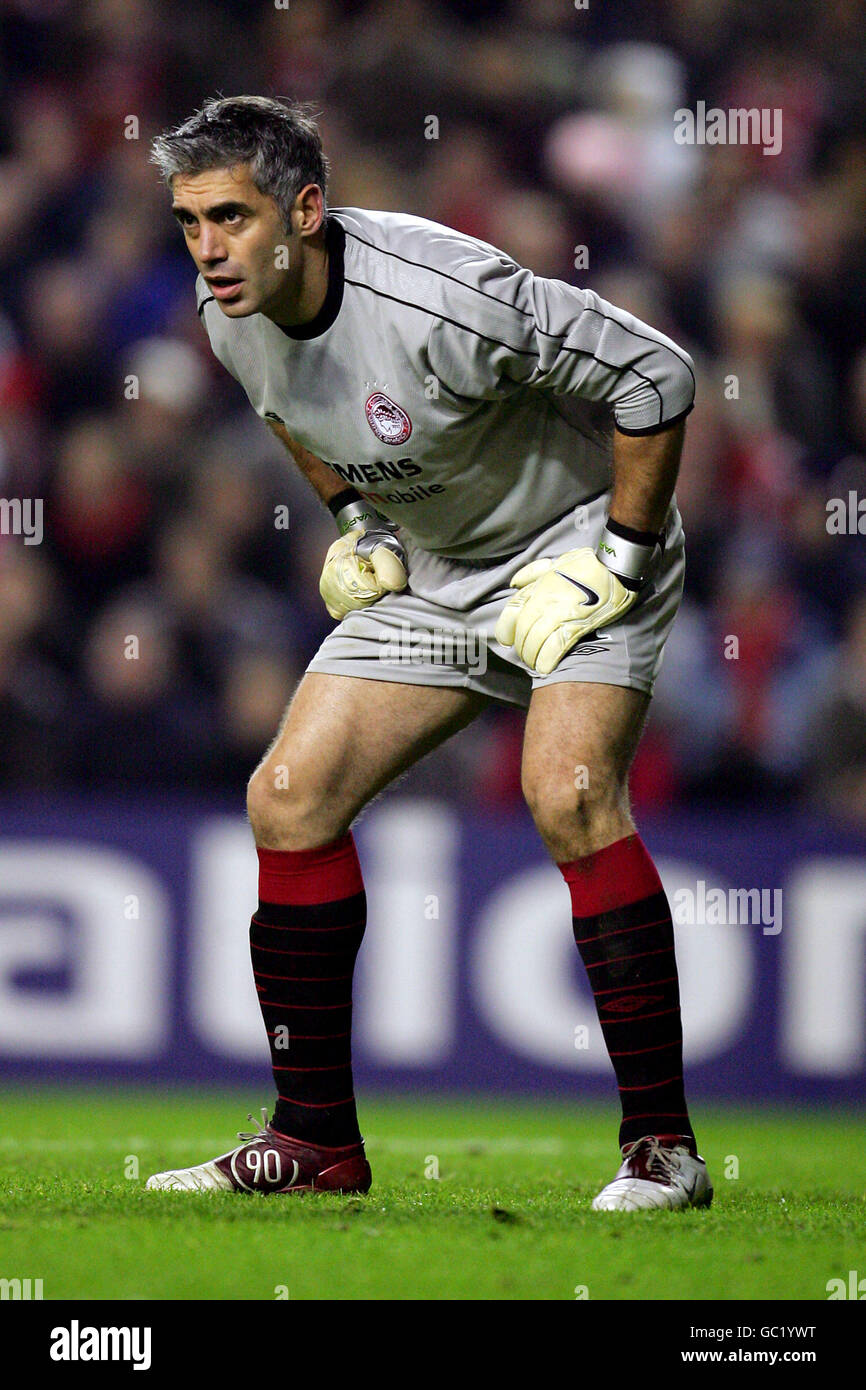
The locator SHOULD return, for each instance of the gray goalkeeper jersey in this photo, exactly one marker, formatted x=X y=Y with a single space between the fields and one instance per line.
x=469 y=400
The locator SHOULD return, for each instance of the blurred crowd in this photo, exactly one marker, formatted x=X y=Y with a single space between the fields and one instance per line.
x=153 y=638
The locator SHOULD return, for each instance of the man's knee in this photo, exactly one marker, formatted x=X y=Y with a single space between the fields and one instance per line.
x=570 y=818
x=272 y=803
x=287 y=809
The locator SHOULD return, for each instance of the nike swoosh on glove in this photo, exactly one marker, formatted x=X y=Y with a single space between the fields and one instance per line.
x=361 y=567
x=559 y=602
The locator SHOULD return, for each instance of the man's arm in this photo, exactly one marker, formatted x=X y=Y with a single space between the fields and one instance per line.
x=519 y=328
x=571 y=342
x=321 y=478
x=645 y=471
x=509 y=327
x=559 y=601
x=367 y=560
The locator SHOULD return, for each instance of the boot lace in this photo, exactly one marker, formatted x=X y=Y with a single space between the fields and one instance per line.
x=659 y=1159
x=261 y=1132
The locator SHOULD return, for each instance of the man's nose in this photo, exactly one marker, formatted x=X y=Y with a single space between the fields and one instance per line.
x=210 y=247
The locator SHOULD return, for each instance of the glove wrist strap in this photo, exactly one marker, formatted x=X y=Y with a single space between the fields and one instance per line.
x=628 y=553
x=350 y=511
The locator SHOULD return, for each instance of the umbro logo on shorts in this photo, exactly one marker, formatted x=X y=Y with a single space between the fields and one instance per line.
x=388 y=421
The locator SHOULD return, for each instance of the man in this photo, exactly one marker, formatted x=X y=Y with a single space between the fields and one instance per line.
x=499 y=452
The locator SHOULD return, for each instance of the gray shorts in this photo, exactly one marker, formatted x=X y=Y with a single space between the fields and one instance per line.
x=439 y=630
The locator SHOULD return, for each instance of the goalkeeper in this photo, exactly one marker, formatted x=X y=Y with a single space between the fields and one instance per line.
x=499 y=452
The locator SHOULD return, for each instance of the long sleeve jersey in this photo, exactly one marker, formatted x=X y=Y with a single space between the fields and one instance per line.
x=471 y=401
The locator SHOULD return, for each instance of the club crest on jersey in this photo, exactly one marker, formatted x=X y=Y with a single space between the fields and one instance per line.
x=388 y=421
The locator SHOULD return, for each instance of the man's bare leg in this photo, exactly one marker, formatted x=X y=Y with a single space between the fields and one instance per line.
x=579 y=744
x=342 y=740
x=578 y=747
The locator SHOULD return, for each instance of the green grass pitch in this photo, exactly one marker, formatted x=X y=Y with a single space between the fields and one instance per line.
x=507 y=1218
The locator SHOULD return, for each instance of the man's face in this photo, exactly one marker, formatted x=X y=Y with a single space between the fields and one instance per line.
x=236 y=237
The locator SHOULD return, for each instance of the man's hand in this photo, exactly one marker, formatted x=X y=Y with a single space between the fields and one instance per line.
x=559 y=602
x=360 y=567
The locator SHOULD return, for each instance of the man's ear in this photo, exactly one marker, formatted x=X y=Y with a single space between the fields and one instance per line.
x=308 y=212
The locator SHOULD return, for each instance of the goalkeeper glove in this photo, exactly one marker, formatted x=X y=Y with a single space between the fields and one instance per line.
x=366 y=561
x=562 y=600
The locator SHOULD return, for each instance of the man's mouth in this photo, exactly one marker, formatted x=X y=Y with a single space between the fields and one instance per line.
x=224 y=286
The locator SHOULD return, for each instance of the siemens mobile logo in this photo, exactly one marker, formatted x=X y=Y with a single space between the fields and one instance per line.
x=383 y=471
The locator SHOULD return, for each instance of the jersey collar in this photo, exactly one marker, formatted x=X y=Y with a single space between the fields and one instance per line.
x=335 y=241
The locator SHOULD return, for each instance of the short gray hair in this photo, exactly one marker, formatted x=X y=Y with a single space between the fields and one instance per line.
x=276 y=138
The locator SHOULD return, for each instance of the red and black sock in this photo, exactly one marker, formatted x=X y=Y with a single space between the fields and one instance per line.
x=304 y=939
x=624 y=932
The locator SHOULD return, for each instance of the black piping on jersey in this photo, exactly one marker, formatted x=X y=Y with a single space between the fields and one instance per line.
x=210 y=299
x=520 y=352
x=614 y=366
x=643 y=337
x=419 y=265
x=516 y=307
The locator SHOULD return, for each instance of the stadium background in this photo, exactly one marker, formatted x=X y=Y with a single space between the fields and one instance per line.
x=127 y=873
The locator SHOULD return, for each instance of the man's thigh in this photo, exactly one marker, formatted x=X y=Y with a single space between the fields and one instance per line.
x=578 y=746
x=343 y=739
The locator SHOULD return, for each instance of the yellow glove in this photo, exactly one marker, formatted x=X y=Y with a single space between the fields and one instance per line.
x=360 y=567
x=559 y=602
